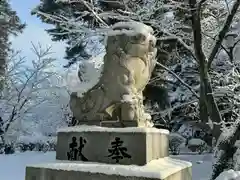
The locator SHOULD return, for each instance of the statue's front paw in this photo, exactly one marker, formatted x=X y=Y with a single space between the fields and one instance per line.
x=147 y=117
x=149 y=124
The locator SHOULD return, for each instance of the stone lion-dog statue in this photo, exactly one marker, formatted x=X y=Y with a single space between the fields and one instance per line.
x=128 y=63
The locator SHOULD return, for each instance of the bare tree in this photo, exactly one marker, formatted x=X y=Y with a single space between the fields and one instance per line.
x=207 y=102
x=23 y=83
x=229 y=88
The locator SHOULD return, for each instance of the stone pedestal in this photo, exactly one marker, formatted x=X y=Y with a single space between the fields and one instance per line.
x=162 y=169
x=101 y=153
x=127 y=146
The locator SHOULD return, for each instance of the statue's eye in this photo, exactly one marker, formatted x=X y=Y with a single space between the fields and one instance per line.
x=151 y=45
x=139 y=37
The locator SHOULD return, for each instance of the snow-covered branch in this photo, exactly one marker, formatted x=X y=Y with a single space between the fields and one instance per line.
x=223 y=32
x=179 y=79
x=23 y=83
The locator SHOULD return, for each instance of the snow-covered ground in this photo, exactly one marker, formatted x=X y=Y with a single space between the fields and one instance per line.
x=12 y=167
x=201 y=165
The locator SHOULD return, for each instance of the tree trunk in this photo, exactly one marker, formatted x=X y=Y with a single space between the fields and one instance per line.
x=3 y=56
x=202 y=106
x=227 y=149
x=210 y=108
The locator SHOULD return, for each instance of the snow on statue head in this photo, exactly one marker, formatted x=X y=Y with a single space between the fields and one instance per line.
x=128 y=64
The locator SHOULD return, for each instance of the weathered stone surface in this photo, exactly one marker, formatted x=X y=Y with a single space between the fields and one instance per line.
x=113 y=124
x=128 y=64
x=138 y=145
x=161 y=169
x=90 y=123
x=118 y=124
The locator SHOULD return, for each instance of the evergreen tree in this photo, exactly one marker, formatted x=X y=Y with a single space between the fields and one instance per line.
x=10 y=24
x=77 y=42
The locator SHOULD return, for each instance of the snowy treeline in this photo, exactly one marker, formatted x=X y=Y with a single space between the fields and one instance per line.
x=34 y=100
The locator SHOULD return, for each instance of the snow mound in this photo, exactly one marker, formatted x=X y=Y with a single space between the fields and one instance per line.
x=133 y=25
x=131 y=28
x=229 y=175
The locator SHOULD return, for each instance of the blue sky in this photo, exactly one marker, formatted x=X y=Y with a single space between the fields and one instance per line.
x=34 y=31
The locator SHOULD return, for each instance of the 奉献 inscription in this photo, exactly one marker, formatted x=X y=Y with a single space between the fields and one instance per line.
x=75 y=150
x=117 y=150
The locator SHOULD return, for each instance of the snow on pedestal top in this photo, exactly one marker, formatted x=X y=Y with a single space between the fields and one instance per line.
x=86 y=128
x=160 y=168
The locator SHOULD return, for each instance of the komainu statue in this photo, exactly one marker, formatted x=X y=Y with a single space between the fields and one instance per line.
x=128 y=64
